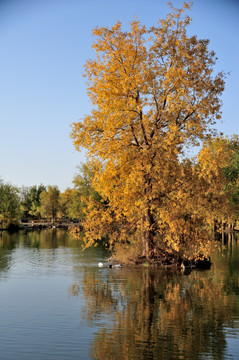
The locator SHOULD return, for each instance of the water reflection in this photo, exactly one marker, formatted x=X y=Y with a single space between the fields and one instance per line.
x=134 y=313
x=152 y=314
x=33 y=250
x=47 y=239
x=12 y=247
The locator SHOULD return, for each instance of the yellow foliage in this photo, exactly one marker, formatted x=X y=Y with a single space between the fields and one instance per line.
x=153 y=93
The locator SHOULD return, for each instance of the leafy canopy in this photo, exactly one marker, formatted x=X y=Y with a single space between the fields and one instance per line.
x=153 y=92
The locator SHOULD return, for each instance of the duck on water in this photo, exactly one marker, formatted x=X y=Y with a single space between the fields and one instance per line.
x=100 y=264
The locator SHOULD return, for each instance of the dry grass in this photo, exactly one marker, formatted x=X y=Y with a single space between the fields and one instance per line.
x=127 y=253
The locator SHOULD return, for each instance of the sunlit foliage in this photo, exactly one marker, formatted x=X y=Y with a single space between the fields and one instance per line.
x=154 y=93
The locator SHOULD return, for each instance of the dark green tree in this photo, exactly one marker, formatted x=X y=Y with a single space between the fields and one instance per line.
x=9 y=205
x=30 y=201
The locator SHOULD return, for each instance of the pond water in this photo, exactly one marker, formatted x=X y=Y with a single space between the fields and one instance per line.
x=55 y=303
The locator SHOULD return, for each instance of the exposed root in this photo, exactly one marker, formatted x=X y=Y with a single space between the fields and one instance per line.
x=165 y=258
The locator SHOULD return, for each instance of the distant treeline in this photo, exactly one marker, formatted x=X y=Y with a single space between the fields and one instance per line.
x=40 y=202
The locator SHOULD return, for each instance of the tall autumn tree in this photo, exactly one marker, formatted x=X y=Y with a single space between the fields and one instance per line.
x=154 y=92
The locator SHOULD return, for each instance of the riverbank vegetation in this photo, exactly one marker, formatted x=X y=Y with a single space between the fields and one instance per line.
x=9 y=205
x=46 y=204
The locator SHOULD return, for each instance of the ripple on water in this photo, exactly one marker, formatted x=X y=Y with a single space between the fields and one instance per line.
x=55 y=303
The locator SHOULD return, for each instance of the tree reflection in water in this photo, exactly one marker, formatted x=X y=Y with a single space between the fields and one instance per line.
x=152 y=314
x=140 y=313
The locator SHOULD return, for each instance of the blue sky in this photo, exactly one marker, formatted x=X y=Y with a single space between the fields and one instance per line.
x=44 y=45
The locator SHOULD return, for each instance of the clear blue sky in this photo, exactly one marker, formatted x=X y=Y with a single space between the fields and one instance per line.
x=44 y=45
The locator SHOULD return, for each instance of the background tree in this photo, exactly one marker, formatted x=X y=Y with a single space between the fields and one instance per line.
x=71 y=204
x=231 y=171
x=73 y=201
x=30 y=201
x=218 y=163
x=50 y=204
x=65 y=203
x=83 y=187
x=9 y=205
x=154 y=92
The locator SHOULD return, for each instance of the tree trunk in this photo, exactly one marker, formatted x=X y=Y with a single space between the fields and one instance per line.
x=148 y=235
x=148 y=302
x=53 y=216
x=149 y=244
x=148 y=222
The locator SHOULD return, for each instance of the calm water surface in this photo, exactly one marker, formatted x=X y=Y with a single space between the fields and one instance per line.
x=55 y=303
